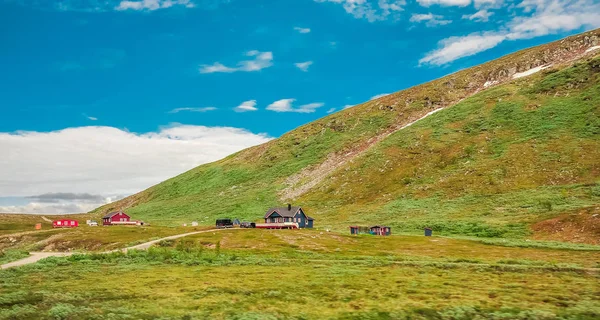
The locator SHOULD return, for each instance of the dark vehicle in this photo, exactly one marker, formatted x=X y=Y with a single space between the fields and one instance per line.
x=247 y=225
x=224 y=223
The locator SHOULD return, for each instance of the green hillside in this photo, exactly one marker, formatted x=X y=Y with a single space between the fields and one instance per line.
x=499 y=156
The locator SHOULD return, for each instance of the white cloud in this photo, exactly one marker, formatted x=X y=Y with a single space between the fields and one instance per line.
x=446 y=3
x=348 y=106
x=205 y=109
x=480 y=16
x=331 y=110
x=92 y=118
x=111 y=5
x=151 y=5
x=378 y=96
x=249 y=105
x=303 y=65
x=261 y=61
x=286 y=105
x=372 y=10
x=52 y=208
x=302 y=30
x=110 y=161
x=431 y=20
x=543 y=17
x=57 y=203
x=457 y=47
x=488 y=3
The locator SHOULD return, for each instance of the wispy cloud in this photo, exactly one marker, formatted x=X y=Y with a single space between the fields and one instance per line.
x=542 y=17
x=379 y=96
x=303 y=65
x=56 y=203
x=488 y=3
x=457 y=47
x=302 y=30
x=348 y=106
x=246 y=106
x=112 y=5
x=54 y=197
x=446 y=3
x=286 y=105
x=205 y=109
x=261 y=61
x=431 y=20
x=151 y=5
x=482 y=15
x=372 y=10
x=331 y=110
x=89 y=117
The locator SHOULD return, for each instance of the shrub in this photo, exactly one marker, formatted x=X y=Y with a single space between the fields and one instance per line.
x=62 y=311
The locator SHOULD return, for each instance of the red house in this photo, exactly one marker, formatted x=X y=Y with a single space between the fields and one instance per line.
x=117 y=218
x=65 y=223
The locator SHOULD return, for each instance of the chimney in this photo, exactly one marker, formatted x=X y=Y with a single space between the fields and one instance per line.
x=289 y=207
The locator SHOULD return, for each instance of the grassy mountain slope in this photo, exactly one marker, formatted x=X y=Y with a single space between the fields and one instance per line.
x=499 y=155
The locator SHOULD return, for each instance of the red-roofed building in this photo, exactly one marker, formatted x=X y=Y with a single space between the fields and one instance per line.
x=65 y=223
x=116 y=218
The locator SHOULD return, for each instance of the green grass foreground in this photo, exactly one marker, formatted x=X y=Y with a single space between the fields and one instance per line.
x=259 y=274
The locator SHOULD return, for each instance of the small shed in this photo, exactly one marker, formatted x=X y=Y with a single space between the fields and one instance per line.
x=428 y=232
x=65 y=223
x=359 y=230
x=380 y=230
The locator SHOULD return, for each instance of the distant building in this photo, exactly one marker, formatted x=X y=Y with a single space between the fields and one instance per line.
x=428 y=232
x=117 y=218
x=359 y=230
x=288 y=215
x=380 y=230
x=374 y=230
x=65 y=223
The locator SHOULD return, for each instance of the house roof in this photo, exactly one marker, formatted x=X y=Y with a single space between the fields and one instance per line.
x=284 y=212
x=110 y=215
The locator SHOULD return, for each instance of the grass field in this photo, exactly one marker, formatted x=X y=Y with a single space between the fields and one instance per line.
x=18 y=236
x=259 y=274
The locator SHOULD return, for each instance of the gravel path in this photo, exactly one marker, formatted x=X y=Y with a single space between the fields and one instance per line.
x=37 y=256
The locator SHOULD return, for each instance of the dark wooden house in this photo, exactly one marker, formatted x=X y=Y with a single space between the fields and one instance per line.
x=288 y=214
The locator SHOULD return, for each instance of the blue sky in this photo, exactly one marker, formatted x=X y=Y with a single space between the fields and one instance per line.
x=138 y=69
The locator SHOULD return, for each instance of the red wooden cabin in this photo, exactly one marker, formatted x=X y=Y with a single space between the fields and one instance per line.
x=381 y=230
x=116 y=218
x=65 y=223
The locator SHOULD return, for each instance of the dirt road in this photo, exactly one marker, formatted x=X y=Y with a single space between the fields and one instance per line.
x=37 y=256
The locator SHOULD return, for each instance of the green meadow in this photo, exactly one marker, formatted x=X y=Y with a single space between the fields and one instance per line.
x=307 y=274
